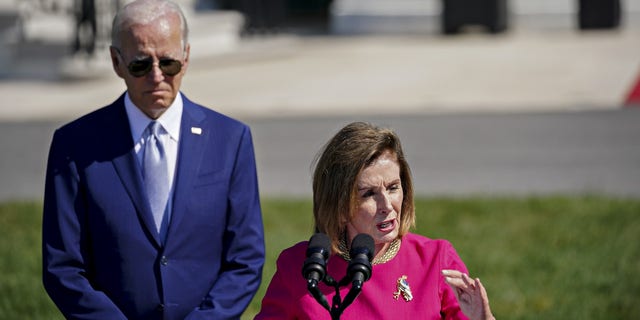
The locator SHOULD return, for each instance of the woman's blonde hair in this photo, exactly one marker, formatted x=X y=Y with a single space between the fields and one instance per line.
x=338 y=165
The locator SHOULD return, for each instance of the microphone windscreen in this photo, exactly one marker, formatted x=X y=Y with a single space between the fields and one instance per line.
x=362 y=243
x=319 y=241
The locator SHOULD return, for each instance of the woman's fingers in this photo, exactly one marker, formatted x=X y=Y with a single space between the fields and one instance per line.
x=470 y=293
x=468 y=282
x=459 y=280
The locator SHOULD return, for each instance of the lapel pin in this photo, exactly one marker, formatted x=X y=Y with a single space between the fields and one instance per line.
x=196 y=130
x=403 y=289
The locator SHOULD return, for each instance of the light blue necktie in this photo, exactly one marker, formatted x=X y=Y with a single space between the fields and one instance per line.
x=156 y=176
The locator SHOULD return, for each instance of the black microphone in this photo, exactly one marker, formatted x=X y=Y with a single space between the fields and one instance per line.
x=362 y=249
x=314 y=267
x=359 y=269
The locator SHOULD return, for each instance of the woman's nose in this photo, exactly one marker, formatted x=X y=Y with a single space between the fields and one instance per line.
x=384 y=203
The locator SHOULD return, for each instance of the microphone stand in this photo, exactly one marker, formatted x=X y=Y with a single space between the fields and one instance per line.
x=312 y=286
x=356 y=287
x=359 y=271
x=338 y=305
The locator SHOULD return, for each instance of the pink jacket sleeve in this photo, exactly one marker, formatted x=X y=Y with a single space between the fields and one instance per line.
x=283 y=293
x=450 y=307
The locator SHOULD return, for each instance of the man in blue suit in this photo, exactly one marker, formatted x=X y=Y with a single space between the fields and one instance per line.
x=178 y=237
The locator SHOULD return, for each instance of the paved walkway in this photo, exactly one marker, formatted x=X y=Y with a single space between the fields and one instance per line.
x=557 y=68
x=324 y=81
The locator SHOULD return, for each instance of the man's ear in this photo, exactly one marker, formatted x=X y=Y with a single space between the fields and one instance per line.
x=115 y=62
x=187 y=53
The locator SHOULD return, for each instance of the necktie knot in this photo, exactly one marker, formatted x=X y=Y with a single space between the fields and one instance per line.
x=155 y=129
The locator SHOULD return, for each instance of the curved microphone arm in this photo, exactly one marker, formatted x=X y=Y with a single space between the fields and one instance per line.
x=312 y=286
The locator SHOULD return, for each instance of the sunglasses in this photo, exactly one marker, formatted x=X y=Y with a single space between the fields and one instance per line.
x=140 y=68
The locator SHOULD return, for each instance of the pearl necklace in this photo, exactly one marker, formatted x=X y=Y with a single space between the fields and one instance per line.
x=389 y=254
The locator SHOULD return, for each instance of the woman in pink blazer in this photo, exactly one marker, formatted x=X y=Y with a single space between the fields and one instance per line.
x=362 y=185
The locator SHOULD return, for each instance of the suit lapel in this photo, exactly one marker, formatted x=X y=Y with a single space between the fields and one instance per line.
x=193 y=139
x=129 y=171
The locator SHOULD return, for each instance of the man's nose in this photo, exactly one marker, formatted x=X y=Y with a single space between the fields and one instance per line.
x=156 y=73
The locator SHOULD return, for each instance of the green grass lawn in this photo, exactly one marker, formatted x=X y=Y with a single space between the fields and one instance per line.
x=539 y=257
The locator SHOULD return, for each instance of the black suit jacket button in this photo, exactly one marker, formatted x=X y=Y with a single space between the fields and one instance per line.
x=164 y=261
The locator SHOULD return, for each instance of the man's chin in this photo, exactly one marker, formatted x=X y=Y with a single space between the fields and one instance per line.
x=159 y=103
x=154 y=110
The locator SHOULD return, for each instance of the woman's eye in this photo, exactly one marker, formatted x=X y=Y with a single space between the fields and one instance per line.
x=367 y=194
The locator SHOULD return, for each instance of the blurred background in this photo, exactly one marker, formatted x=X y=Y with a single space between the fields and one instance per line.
x=491 y=96
x=520 y=120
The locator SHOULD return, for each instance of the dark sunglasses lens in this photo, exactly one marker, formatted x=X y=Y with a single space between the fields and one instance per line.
x=140 y=68
x=170 y=67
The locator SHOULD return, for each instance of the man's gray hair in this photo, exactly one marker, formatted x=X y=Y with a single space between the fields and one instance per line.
x=144 y=12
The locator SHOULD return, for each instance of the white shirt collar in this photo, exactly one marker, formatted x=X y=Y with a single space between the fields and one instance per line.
x=170 y=119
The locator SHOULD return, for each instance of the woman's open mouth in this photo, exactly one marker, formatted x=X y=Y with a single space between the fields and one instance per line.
x=386 y=225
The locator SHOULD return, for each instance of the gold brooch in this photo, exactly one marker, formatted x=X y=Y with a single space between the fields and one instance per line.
x=403 y=289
